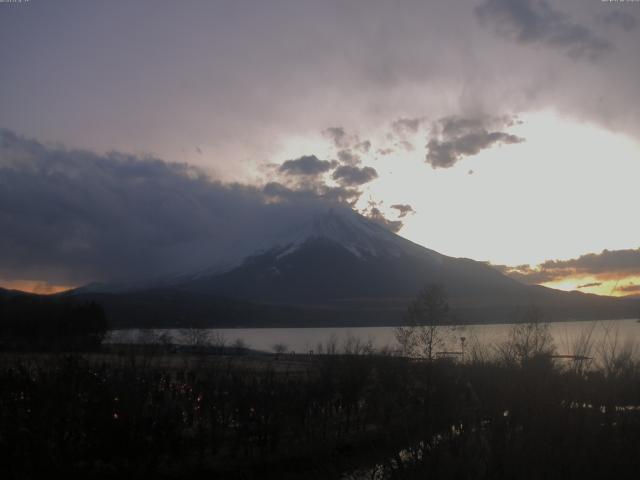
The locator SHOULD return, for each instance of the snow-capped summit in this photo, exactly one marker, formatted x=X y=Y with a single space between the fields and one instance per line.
x=342 y=226
x=339 y=254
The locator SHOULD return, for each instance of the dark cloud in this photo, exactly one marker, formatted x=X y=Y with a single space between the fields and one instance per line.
x=364 y=63
x=406 y=126
x=302 y=177
x=527 y=274
x=607 y=262
x=401 y=130
x=537 y=22
x=73 y=216
x=406 y=145
x=348 y=175
x=338 y=136
x=616 y=18
x=454 y=126
x=629 y=289
x=445 y=154
x=403 y=209
x=384 y=151
x=607 y=265
x=348 y=157
x=453 y=138
x=363 y=146
x=308 y=165
x=313 y=192
x=344 y=141
x=589 y=285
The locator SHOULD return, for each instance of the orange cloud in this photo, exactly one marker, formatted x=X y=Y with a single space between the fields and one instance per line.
x=611 y=272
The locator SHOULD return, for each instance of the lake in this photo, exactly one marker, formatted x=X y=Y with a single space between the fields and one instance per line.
x=303 y=340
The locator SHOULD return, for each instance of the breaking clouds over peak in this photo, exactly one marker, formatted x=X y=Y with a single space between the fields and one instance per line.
x=70 y=216
x=372 y=212
x=73 y=216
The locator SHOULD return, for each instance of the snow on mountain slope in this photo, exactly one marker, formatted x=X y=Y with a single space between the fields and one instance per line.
x=340 y=225
x=357 y=234
x=340 y=254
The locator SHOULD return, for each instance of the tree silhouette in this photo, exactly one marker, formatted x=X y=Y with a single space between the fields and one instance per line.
x=428 y=311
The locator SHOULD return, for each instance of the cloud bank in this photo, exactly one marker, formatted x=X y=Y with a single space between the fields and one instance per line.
x=73 y=216
x=240 y=83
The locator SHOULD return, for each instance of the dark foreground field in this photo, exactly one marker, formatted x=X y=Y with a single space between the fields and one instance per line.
x=154 y=415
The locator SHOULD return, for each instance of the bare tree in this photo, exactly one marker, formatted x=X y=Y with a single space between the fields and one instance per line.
x=240 y=346
x=279 y=348
x=581 y=348
x=196 y=338
x=218 y=342
x=529 y=338
x=147 y=337
x=616 y=355
x=426 y=315
x=356 y=346
x=476 y=351
x=330 y=347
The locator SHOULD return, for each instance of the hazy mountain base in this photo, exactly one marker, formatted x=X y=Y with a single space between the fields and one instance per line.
x=322 y=286
x=176 y=308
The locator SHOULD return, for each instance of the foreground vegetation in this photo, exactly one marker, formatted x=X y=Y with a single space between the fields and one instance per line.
x=72 y=407
x=508 y=412
x=45 y=323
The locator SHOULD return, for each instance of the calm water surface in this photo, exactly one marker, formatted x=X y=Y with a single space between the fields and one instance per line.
x=303 y=340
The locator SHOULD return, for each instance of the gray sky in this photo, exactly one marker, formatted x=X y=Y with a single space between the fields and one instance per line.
x=510 y=128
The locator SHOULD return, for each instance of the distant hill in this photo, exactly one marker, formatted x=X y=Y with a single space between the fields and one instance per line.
x=45 y=322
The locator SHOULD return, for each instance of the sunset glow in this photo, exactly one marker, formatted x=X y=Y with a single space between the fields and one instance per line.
x=34 y=286
x=625 y=286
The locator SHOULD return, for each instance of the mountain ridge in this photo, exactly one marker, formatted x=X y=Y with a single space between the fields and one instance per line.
x=339 y=268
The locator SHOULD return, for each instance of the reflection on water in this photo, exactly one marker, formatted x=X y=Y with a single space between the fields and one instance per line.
x=305 y=340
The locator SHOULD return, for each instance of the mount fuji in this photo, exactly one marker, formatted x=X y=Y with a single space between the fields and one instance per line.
x=340 y=256
x=339 y=268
